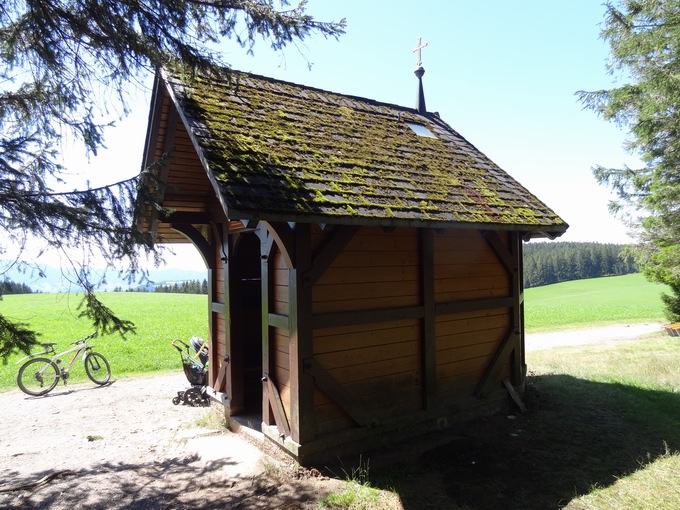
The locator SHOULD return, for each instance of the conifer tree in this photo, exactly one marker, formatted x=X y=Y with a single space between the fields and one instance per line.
x=58 y=60
x=644 y=40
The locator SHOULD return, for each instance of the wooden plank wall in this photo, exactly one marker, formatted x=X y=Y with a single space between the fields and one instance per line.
x=279 y=341
x=467 y=269
x=188 y=188
x=376 y=270
x=218 y=321
x=379 y=363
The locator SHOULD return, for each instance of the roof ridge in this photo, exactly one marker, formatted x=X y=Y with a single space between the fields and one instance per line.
x=373 y=102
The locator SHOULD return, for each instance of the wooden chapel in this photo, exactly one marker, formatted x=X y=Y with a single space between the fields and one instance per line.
x=364 y=259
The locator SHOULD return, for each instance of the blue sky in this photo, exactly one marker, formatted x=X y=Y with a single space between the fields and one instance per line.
x=503 y=74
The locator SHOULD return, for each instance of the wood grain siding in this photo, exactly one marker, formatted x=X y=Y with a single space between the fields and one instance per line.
x=467 y=269
x=375 y=270
x=378 y=362
x=279 y=338
x=218 y=274
x=466 y=343
x=280 y=365
x=278 y=281
x=379 y=365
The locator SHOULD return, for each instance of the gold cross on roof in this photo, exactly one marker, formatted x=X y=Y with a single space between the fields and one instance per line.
x=419 y=48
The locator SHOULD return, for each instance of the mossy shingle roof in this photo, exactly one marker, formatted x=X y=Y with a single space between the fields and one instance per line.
x=286 y=152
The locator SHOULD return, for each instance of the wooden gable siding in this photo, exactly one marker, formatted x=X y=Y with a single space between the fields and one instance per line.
x=187 y=187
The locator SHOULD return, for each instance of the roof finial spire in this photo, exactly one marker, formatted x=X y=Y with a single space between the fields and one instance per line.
x=419 y=49
x=420 y=101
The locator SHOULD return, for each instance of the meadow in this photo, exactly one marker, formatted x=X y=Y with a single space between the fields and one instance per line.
x=597 y=301
x=161 y=317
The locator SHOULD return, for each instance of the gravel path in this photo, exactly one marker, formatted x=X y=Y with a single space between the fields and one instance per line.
x=126 y=446
x=582 y=336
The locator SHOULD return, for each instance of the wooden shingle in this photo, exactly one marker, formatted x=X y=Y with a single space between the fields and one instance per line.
x=278 y=151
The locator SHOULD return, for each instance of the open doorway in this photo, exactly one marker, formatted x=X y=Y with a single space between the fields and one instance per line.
x=246 y=321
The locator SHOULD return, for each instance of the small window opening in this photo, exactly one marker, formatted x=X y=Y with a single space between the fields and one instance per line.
x=421 y=130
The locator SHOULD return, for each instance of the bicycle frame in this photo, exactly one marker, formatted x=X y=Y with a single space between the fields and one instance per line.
x=42 y=372
x=80 y=346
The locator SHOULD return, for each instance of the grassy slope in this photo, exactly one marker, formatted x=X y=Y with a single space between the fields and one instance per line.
x=618 y=299
x=159 y=318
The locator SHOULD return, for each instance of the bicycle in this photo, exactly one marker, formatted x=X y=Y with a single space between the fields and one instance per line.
x=38 y=376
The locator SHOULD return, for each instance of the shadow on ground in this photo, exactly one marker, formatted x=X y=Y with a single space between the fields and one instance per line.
x=133 y=486
x=577 y=435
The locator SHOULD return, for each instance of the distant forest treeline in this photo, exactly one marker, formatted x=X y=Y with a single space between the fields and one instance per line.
x=550 y=262
x=184 y=287
x=9 y=287
x=544 y=263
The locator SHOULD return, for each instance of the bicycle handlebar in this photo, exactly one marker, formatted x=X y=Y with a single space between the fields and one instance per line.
x=84 y=339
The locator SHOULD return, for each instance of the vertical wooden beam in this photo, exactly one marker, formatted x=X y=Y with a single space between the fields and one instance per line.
x=517 y=286
x=213 y=329
x=301 y=348
x=266 y=247
x=212 y=323
x=213 y=354
x=234 y=344
x=429 y=345
x=223 y=254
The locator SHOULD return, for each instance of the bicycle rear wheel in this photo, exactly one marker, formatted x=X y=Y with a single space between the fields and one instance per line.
x=97 y=368
x=38 y=376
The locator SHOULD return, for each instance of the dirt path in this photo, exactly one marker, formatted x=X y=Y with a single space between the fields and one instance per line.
x=126 y=446
x=582 y=336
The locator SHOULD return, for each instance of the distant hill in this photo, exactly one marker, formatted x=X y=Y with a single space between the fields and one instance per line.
x=55 y=280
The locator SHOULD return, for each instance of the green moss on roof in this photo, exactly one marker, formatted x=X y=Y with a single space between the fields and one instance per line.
x=290 y=151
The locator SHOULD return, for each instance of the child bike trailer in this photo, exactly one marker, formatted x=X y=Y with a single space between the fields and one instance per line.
x=194 y=362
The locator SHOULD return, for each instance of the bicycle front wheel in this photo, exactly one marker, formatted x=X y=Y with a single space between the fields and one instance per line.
x=38 y=376
x=97 y=368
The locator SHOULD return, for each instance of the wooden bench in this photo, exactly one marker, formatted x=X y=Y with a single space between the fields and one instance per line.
x=673 y=329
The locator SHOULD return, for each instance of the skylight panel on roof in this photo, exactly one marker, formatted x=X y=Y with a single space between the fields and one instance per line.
x=421 y=130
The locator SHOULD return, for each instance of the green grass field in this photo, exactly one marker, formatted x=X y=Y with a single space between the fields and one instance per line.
x=163 y=317
x=159 y=319
x=613 y=300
